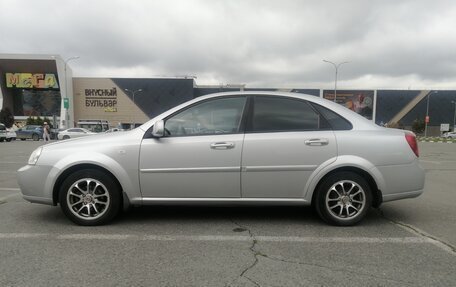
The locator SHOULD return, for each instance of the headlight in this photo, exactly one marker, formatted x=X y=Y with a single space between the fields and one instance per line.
x=35 y=156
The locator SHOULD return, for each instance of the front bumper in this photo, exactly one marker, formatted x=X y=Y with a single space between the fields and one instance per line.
x=35 y=184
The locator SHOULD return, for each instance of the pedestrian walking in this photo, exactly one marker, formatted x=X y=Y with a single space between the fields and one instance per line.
x=46 y=132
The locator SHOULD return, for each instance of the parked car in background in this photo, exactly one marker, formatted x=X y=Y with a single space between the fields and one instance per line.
x=10 y=135
x=2 y=132
x=113 y=130
x=451 y=135
x=74 y=133
x=258 y=148
x=33 y=132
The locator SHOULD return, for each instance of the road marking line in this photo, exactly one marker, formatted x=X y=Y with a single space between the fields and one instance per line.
x=288 y=239
x=96 y=236
x=9 y=189
x=430 y=238
x=430 y=161
x=22 y=235
x=3 y=199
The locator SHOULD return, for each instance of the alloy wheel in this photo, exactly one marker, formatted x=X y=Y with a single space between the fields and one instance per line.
x=88 y=199
x=345 y=199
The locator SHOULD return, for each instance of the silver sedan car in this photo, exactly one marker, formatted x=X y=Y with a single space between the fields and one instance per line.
x=74 y=133
x=255 y=148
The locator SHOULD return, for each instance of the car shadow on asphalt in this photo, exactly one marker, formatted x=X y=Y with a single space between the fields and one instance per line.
x=272 y=215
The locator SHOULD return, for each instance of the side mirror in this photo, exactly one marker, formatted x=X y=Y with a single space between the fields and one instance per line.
x=158 y=130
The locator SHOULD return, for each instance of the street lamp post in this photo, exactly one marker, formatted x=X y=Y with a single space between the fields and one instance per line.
x=336 y=67
x=133 y=96
x=427 y=113
x=454 y=117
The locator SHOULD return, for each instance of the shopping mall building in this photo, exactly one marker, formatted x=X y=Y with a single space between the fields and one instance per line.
x=43 y=85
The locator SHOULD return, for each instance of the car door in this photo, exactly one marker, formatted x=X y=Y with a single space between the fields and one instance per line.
x=286 y=140
x=200 y=155
x=77 y=133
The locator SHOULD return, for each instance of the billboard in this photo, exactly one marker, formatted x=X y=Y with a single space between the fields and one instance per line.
x=359 y=101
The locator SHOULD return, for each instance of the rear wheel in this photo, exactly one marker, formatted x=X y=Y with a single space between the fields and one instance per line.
x=66 y=137
x=90 y=197
x=8 y=139
x=343 y=198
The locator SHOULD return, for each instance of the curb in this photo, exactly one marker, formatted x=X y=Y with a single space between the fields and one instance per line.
x=435 y=140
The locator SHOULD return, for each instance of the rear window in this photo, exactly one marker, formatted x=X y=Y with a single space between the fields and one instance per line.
x=337 y=122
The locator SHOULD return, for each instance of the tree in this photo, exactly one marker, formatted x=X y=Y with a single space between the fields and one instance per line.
x=418 y=126
x=6 y=117
x=38 y=121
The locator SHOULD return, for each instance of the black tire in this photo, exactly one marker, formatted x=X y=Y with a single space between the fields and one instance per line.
x=65 y=137
x=23 y=139
x=8 y=139
x=35 y=137
x=99 y=206
x=343 y=198
x=2 y=139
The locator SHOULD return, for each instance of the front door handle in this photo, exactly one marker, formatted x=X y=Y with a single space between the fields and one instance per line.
x=316 y=142
x=222 y=145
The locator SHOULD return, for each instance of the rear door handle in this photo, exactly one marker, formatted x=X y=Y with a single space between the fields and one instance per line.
x=316 y=142
x=222 y=145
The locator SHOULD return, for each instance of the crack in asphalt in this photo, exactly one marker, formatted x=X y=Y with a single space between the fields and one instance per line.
x=334 y=269
x=255 y=253
x=412 y=229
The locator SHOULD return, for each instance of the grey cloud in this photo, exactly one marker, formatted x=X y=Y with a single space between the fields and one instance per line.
x=265 y=43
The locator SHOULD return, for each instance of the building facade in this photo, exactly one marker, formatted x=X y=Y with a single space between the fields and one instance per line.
x=42 y=85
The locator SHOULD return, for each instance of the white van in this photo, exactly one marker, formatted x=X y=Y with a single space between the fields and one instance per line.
x=96 y=126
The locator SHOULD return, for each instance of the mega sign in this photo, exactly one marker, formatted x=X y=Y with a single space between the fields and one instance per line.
x=28 y=80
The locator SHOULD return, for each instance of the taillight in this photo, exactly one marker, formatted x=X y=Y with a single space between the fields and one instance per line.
x=411 y=139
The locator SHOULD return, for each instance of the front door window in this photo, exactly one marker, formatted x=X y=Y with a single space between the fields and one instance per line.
x=220 y=116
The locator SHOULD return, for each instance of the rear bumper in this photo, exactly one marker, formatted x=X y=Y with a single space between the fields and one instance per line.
x=402 y=195
x=402 y=181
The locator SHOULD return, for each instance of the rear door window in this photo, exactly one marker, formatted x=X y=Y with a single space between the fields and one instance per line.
x=280 y=114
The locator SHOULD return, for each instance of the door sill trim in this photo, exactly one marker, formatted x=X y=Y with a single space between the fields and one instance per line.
x=218 y=201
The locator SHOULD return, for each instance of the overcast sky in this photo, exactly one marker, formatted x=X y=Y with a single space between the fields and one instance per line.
x=390 y=44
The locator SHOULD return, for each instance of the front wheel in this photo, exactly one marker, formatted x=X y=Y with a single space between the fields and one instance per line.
x=343 y=198
x=35 y=137
x=90 y=197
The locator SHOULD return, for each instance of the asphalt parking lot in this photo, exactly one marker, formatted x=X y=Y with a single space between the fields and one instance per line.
x=404 y=243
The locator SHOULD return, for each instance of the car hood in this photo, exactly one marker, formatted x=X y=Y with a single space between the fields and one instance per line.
x=97 y=141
